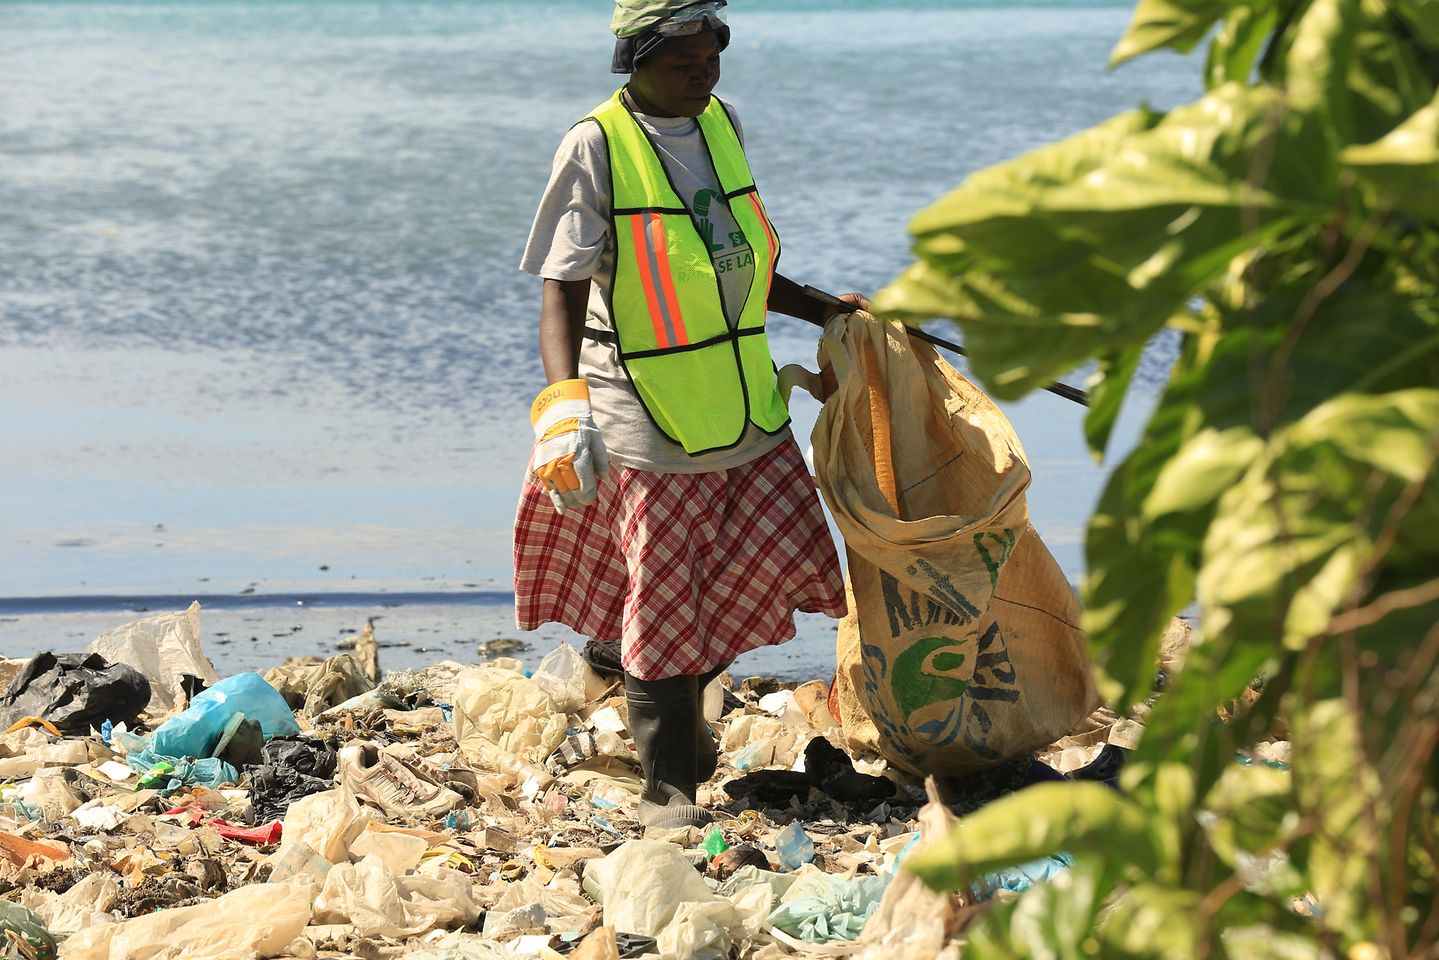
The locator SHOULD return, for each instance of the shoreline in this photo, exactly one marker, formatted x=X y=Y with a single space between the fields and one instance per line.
x=245 y=632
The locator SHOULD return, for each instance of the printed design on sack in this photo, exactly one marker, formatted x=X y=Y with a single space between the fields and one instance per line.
x=928 y=676
x=944 y=605
x=1003 y=542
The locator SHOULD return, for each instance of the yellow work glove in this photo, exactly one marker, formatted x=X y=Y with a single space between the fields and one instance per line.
x=569 y=456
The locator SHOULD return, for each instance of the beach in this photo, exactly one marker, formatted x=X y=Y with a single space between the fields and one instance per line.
x=262 y=328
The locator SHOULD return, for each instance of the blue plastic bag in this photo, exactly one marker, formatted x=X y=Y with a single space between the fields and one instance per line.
x=197 y=731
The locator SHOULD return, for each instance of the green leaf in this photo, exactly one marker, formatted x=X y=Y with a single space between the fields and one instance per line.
x=1236 y=46
x=1153 y=921
x=1405 y=162
x=1053 y=919
x=1037 y=822
x=1139 y=576
x=1206 y=466
x=1106 y=395
x=1331 y=784
x=1176 y=24
x=1316 y=70
x=1423 y=16
x=1291 y=538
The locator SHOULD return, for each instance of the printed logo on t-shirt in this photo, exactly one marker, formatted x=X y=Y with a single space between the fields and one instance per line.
x=729 y=252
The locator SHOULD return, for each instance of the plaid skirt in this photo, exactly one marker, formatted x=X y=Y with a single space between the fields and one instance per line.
x=687 y=570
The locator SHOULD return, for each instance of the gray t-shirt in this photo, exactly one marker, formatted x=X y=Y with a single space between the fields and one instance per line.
x=571 y=240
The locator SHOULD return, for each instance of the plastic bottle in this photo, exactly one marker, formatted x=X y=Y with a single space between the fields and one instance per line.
x=714 y=843
x=155 y=776
x=794 y=846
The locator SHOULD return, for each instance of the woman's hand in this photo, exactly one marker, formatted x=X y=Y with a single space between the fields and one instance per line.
x=856 y=300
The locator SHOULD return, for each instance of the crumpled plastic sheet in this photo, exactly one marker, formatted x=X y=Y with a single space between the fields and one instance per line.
x=75 y=691
x=254 y=921
x=210 y=772
x=649 y=887
x=501 y=711
x=328 y=823
x=464 y=946
x=368 y=896
x=166 y=649
x=86 y=904
x=313 y=689
x=1021 y=878
x=821 y=907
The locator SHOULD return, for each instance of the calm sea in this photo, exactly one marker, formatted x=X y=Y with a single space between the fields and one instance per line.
x=260 y=322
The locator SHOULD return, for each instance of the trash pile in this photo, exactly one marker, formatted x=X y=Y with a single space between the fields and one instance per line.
x=149 y=808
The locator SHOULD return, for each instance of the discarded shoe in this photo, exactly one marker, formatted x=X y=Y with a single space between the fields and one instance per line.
x=400 y=787
x=678 y=811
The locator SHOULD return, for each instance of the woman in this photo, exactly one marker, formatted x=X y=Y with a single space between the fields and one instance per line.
x=658 y=266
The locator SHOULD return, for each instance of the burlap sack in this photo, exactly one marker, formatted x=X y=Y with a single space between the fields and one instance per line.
x=962 y=647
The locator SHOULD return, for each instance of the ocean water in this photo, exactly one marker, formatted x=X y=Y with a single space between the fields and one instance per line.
x=261 y=327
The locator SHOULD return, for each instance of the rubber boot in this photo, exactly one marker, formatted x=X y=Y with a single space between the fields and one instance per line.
x=707 y=750
x=663 y=720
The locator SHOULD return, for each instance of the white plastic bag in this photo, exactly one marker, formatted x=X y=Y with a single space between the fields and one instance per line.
x=255 y=921
x=498 y=711
x=327 y=822
x=377 y=903
x=565 y=677
x=913 y=922
x=164 y=648
x=645 y=883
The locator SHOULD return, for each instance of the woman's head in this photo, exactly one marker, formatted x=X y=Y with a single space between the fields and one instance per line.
x=671 y=50
x=676 y=79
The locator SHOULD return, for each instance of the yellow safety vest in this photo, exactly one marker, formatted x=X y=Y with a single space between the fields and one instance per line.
x=701 y=382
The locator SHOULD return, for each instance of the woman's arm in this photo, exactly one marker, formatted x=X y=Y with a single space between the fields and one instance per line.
x=789 y=298
x=562 y=327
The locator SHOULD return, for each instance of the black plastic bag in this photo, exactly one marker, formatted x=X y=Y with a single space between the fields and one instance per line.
x=290 y=768
x=75 y=691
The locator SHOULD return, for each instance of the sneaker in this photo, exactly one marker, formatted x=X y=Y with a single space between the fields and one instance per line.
x=397 y=786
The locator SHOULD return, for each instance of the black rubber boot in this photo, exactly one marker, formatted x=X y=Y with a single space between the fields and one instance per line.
x=707 y=750
x=664 y=717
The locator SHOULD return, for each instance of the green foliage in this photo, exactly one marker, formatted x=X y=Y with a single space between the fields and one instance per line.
x=1287 y=225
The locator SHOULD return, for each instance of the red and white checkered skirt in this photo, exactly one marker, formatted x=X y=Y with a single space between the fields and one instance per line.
x=687 y=570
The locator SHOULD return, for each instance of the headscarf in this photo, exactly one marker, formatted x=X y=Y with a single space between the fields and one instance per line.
x=634 y=23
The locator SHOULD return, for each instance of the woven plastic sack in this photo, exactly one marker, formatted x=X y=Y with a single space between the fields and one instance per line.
x=961 y=648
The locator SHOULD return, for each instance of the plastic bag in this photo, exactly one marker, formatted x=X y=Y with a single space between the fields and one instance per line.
x=565 y=677
x=201 y=728
x=75 y=691
x=325 y=822
x=290 y=768
x=498 y=711
x=913 y=922
x=400 y=852
x=85 y=904
x=820 y=907
x=962 y=647
x=254 y=921
x=464 y=946
x=166 y=649
x=643 y=885
x=368 y=896
x=314 y=689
